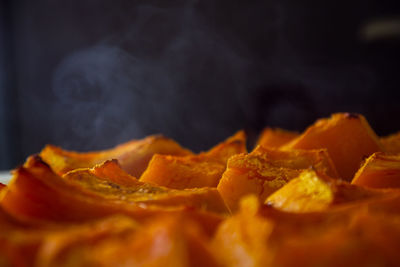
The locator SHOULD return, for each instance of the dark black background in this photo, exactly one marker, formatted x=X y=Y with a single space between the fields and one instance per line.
x=90 y=74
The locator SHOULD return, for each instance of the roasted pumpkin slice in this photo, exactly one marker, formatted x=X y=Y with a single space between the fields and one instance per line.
x=37 y=193
x=19 y=242
x=264 y=171
x=349 y=236
x=347 y=137
x=109 y=181
x=275 y=137
x=365 y=239
x=380 y=170
x=133 y=156
x=164 y=241
x=18 y=248
x=313 y=191
x=391 y=143
x=35 y=245
x=69 y=246
x=202 y=170
x=242 y=240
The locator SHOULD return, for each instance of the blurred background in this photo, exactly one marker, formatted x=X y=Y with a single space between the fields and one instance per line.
x=89 y=74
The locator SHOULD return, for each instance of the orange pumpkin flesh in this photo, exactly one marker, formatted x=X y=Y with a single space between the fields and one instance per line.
x=275 y=138
x=348 y=235
x=89 y=209
x=380 y=170
x=264 y=171
x=114 y=184
x=36 y=193
x=347 y=137
x=312 y=191
x=133 y=156
x=203 y=170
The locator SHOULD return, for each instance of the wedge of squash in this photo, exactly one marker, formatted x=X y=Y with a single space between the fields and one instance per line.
x=348 y=138
x=312 y=191
x=264 y=171
x=275 y=137
x=109 y=181
x=380 y=170
x=133 y=156
x=36 y=193
x=202 y=170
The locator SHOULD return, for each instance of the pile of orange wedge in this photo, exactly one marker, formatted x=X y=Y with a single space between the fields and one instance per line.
x=329 y=196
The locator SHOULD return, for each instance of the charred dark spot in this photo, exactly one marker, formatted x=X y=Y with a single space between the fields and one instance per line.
x=114 y=185
x=352 y=115
x=38 y=159
x=115 y=161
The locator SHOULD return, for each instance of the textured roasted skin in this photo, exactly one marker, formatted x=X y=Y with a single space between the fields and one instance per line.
x=275 y=137
x=312 y=192
x=109 y=181
x=380 y=170
x=133 y=156
x=348 y=138
x=265 y=170
x=37 y=193
x=202 y=170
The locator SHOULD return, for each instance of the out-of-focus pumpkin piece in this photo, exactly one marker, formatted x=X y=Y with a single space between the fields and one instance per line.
x=264 y=171
x=367 y=239
x=36 y=245
x=202 y=170
x=347 y=236
x=19 y=242
x=164 y=241
x=133 y=156
x=242 y=239
x=113 y=183
x=347 y=137
x=12 y=247
x=168 y=242
x=36 y=193
x=311 y=192
x=275 y=137
x=70 y=246
x=391 y=143
x=380 y=170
